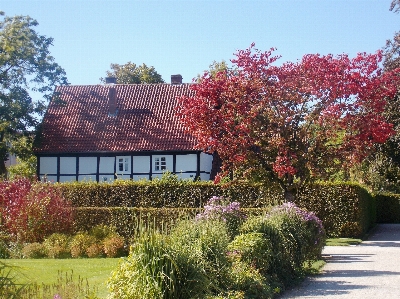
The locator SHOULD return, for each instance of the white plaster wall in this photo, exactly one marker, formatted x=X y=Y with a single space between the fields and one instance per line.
x=186 y=162
x=206 y=162
x=169 y=161
x=67 y=165
x=107 y=165
x=48 y=165
x=184 y=176
x=87 y=165
x=204 y=176
x=141 y=164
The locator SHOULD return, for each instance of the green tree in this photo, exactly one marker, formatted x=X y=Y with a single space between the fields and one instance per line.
x=381 y=170
x=130 y=73
x=26 y=67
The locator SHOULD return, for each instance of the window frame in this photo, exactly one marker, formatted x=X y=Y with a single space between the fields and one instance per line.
x=126 y=164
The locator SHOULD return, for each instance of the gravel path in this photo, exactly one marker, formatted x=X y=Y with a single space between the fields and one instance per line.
x=369 y=270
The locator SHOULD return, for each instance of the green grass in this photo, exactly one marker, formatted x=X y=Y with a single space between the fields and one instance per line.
x=342 y=241
x=46 y=271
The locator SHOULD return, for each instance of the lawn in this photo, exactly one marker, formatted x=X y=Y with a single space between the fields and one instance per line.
x=342 y=241
x=47 y=271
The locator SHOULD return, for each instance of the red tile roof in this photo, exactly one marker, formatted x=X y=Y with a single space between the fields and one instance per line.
x=145 y=120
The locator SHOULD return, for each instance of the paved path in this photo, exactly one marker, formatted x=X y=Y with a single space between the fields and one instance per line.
x=369 y=270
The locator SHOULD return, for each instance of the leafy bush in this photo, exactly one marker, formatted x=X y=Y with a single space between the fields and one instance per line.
x=34 y=251
x=57 y=246
x=203 y=242
x=80 y=244
x=221 y=209
x=292 y=237
x=114 y=246
x=95 y=250
x=32 y=211
x=148 y=273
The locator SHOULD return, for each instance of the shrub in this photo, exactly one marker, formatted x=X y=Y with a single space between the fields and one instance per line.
x=80 y=243
x=34 y=251
x=253 y=249
x=95 y=250
x=57 y=246
x=32 y=211
x=148 y=273
x=202 y=242
x=114 y=246
x=221 y=209
x=248 y=282
x=293 y=236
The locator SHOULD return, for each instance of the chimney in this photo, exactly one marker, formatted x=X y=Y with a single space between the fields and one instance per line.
x=111 y=80
x=176 y=79
x=112 y=101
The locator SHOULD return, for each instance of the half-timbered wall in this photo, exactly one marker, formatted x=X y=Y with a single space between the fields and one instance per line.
x=106 y=167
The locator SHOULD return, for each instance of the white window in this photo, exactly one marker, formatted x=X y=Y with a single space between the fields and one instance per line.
x=123 y=164
x=160 y=163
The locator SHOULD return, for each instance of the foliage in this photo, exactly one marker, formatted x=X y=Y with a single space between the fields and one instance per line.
x=23 y=168
x=166 y=193
x=25 y=66
x=345 y=209
x=80 y=243
x=380 y=172
x=388 y=207
x=148 y=273
x=114 y=246
x=279 y=243
x=9 y=289
x=293 y=122
x=130 y=73
x=221 y=209
x=34 y=251
x=197 y=259
x=32 y=211
x=57 y=246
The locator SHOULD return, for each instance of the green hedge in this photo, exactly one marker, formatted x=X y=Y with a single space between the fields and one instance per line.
x=388 y=208
x=159 y=194
x=346 y=209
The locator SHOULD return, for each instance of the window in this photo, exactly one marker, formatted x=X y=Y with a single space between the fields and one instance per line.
x=123 y=164
x=160 y=163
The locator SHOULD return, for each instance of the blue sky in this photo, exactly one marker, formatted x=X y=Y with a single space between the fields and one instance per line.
x=185 y=37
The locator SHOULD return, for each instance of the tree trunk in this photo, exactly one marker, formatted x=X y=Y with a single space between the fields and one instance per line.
x=3 y=170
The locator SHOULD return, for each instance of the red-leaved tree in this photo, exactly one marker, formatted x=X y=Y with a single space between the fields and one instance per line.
x=293 y=122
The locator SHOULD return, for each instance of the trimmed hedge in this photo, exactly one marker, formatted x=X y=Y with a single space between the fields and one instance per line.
x=169 y=194
x=388 y=208
x=346 y=209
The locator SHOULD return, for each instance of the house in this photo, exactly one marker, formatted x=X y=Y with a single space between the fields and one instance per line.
x=128 y=131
